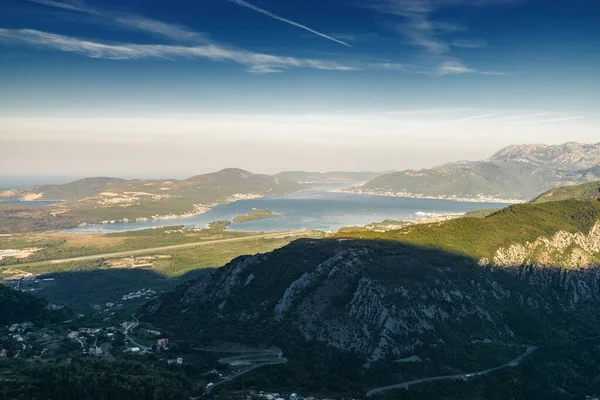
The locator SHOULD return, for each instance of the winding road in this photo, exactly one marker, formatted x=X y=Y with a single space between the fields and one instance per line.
x=171 y=247
x=129 y=328
x=406 y=385
x=263 y=358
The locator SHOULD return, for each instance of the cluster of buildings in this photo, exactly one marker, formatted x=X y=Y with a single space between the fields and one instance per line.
x=277 y=396
x=147 y=293
x=17 y=332
x=95 y=351
x=20 y=327
x=83 y=331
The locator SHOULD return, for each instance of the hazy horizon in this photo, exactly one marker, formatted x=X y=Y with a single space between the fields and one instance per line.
x=129 y=88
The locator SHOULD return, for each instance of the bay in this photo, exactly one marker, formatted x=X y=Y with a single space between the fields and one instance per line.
x=315 y=208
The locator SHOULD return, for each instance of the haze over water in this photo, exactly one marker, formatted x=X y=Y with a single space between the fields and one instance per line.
x=314 y=208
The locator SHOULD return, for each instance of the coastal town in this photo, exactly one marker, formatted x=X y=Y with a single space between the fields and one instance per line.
x=478 y=198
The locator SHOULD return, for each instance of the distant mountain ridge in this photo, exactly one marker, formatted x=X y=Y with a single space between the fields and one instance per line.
x=110 y=199
x=570 y=155
x=518 y=172
x=328 y=177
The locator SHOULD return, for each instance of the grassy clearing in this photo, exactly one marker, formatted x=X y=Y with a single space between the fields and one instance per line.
x=60 y=245
x=168 y=263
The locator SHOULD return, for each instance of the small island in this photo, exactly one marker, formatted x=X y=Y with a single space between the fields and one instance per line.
x=255 y=214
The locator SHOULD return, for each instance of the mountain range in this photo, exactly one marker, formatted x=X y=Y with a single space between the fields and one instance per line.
x=517 y=172
x=328 y=177
x=93 y=200
x=368 y=309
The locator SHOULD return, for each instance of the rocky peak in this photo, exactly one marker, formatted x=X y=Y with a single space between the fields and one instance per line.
x=569 y=155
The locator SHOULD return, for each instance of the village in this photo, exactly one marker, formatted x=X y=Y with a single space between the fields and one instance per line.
x=26 y=341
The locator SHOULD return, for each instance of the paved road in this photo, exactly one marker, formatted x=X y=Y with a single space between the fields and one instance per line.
x=272 y=356
x=129 y=328
x=171 y=247
x=406 y=385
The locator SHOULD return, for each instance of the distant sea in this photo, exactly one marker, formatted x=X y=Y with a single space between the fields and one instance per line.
x=37 y=203
x=314 y=208
x=15 y=182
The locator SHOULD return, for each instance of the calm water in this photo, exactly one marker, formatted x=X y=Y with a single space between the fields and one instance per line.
x=314 y=208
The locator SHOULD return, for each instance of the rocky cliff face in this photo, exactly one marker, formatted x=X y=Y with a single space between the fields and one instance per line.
x=384 y=301
x=572 y=155
x=564 y=249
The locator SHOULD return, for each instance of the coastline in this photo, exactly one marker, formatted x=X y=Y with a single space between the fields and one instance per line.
x=198 y=209
x=424 y=218
x=475 y=199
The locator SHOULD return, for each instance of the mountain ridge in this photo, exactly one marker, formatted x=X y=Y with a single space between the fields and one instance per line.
x=516 y=172
x=95 y=200
x=421 y=291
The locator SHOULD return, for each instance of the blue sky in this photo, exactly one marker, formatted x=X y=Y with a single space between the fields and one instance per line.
x=380 y=72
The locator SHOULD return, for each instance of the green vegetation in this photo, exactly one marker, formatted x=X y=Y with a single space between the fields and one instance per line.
x=81 y=283
x=94 y=200
x=463 y=180
x=481 y=237
x=484 y=212
x=255 y=214
x=54 y=246
x=75 y=190
x=565 y=371
x=21 y=219
x=85 y=378
x=385 y=225
x=585 y=191
x=18 y=307
x=516 y=172
x=218 y=225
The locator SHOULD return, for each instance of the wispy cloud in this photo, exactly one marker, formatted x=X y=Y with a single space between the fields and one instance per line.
x=469 y=43
x=456 y=67
x=521 y=117
x=256 y=62
x=192 y=44
x=508 y=117
x=420 y=25
x=287 y=21
x=132 y=22
x=355 y=37
x=561 y=119
x=66 y=6
x=197 y=44
x=473 y=117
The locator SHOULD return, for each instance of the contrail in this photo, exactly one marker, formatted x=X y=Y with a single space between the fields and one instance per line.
x=287 y=21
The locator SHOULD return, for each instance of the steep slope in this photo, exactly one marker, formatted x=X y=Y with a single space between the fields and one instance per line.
x=17 y=307
x=421 y=293
x=516 y=172
x=585 y=191
x=482 y=238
